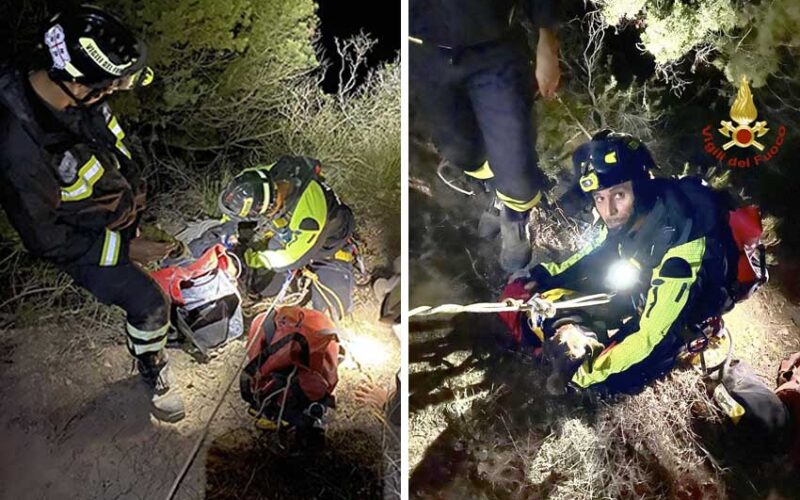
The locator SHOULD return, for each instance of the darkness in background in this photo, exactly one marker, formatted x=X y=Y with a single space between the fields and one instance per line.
x=338 y=19
x=344 y=19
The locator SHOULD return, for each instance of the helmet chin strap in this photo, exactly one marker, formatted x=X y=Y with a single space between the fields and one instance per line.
x=80 y=102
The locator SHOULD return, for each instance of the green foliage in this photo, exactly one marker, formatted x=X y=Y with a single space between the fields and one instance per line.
x=772 y=28
x=672 y=32
x=237 y=85
x=212 y=56
x=741 y=38
x=356 y=137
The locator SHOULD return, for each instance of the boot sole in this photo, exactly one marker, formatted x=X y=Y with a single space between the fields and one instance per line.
x=168 y=417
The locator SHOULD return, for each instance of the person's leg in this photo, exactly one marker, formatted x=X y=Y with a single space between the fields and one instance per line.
x=501 y=96
x=147 y=321
x=332 y=290
x=446 y=110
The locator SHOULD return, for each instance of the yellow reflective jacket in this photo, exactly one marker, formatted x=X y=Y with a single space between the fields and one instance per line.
x=683 y=251
x=313 y=224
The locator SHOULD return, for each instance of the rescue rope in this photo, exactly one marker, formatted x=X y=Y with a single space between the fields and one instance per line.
x=720 y=367
x=285 y=395
x=450 y=183
x=199 y=443
x=569 y=112
x=535 y=304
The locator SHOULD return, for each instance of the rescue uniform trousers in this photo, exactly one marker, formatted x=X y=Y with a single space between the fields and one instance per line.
x=477 y=105
x=129 y=287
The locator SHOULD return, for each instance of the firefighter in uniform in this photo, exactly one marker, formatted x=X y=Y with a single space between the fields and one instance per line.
x=472 y=76
x=667 y=253
x=68 y=181
x=306 y=228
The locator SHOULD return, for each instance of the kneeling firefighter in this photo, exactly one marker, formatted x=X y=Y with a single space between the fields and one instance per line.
x=69 y=182
x=291 y=372
x=302 y=227
x=666 y=253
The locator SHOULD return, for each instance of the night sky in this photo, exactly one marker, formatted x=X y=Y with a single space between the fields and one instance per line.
x=345 y=18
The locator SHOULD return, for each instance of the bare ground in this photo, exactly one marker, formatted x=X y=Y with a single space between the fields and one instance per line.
x=75 y=422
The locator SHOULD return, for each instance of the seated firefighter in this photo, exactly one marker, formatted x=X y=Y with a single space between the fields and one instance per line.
x=302 y=226
x=69 y=183
x=667 y=254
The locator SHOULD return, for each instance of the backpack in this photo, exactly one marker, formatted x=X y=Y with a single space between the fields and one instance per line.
x=758 y=420
x=206 y=305
x=751 y=272
x=291 y=369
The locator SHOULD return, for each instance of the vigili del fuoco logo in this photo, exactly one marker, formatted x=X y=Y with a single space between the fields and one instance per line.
x=743 y=134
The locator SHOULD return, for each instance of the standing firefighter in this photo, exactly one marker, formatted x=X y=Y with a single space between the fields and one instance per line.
x=668 y=254
x=306 y=228
x=470 y=66
x=68 y=182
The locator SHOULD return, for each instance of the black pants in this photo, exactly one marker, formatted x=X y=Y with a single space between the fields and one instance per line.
x=129 y=287
x=477 y=103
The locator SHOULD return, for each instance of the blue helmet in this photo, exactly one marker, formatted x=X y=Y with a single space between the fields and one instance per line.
x=92 y=47
x=611 y=158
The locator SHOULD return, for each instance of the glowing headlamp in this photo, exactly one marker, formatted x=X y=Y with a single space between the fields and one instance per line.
x=589 y=182
x=623 y=275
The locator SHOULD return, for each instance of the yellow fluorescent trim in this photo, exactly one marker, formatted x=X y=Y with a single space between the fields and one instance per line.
x=482 y=173
x=145 y=335
x=589 y=182
x=92 y=50
x=611 y=157
x=660 y=313
x=111 y=245
x=248 y=202
x=82 y=188
x=554 y=269
x=517 y=205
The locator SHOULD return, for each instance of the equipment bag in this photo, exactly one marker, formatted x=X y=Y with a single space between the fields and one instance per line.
x=745 y=224
x=758 y=419
x=292 y=365
x=206 y=306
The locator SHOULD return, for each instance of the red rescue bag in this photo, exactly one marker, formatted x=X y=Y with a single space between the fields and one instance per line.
x=292 y=366
x=174 y=278
x=206 y=305
x=745 y=224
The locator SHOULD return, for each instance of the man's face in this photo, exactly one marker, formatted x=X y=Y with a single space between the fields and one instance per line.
x=615 y=204
x=82 y=91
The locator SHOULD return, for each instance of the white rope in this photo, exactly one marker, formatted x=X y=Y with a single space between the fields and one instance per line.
x=285 y=395
x=578 y=122
x=450 y=183
x=536 y=304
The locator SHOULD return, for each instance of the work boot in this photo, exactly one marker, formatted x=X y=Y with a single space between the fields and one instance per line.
x=489 y=223
x=516 y=240
x=167 y=401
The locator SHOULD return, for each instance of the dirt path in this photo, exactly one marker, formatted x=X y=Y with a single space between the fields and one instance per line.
x=75 y=423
